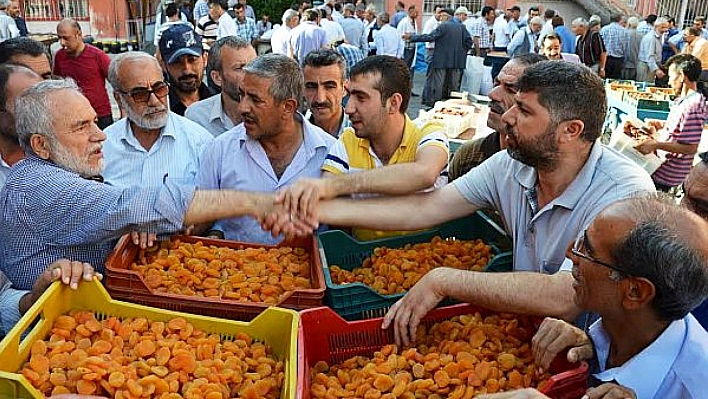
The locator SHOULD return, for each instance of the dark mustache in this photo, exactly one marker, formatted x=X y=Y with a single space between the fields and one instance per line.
x=317 y=104
x=496 y=107
x=189 y=76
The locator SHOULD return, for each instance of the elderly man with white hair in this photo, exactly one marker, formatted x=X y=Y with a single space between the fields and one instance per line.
x=280 y=40
x=524 y=40
x=648 y=69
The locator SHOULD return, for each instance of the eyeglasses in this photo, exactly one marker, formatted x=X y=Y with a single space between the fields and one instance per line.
x=142 y=94
x=580 y=243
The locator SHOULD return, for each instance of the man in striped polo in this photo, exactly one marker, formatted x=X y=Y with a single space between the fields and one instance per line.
x=677 y=142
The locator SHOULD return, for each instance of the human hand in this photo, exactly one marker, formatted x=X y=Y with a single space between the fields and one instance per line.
x=70 y=273
x=280 y=221
x=528 y=393
x=660 y=74
x=553 y=336
x=610 y=391
x=647 y=146
x=301 y=197
x=405 y=315
x=601 y=73
x=406 y=36
x=143 y=239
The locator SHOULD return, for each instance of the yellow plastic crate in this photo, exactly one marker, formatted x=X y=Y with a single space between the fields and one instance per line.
x=275 y=326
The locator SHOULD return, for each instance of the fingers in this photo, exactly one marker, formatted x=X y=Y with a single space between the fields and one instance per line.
x=610 y=391
x=390 y=315
x=581 y=353
x=552 y=337
x=143 y=239
x=135 y=237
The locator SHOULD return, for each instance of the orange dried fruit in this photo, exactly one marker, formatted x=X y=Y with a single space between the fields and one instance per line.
x=144 y=348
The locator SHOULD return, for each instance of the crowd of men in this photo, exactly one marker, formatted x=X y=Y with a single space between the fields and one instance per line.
x=311 y=136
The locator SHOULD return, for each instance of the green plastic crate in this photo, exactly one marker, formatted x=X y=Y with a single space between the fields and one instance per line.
x=358 y=301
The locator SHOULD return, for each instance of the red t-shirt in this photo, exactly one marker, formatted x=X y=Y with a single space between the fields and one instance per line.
x=89 y=70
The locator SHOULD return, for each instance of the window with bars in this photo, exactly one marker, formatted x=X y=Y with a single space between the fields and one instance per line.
x=55 y=10
x=472 y=5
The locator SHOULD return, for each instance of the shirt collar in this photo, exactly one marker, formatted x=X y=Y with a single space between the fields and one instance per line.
x=527 y=176
x=408 y=129
x=217 y=112
x=646 y=370
x=310 y=136
x=343 y=121
x=127 y=135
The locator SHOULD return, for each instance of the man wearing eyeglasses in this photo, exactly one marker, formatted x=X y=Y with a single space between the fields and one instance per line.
x=227 y=57
x=151 y=144
x=182 y=59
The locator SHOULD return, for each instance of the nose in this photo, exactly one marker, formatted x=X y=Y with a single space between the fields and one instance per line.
x=98 y=134
x=320 y=94
x=509 y=117
x=350 y=108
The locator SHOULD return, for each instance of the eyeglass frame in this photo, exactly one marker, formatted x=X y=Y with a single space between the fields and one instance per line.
x=575 y=250
x=150 y=91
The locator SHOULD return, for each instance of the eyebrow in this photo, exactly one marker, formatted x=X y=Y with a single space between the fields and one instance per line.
x=586 y=243
x=356 y=92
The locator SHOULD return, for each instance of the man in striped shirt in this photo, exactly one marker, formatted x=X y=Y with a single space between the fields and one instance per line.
x=677 y=142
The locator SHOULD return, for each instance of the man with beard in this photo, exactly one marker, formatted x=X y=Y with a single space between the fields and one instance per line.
x=13 y=80
x=383 y=152
x=547 y=186
x=219 y=113
x=273 y=147
x=66 y=212
x=151 y=144
x=87 y=65
x=325 y=75
x=474 y=152
x=182 y=59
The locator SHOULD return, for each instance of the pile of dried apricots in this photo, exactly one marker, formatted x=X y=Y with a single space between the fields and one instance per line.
x=459 y=358
x=394 y=270
x=243 y=275
x=137 y=358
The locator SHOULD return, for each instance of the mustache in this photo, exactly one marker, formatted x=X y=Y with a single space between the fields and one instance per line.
x=188 y=76
x=247 y=117
x=322 y=104
x=496 y=107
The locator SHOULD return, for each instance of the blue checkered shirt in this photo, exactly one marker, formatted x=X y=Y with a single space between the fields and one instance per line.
x=351 y=54
x=51 y=213
x=615 y=38
x=201 y=8
x=247 y=30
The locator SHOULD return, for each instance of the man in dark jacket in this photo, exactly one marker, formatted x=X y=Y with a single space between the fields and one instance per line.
x=452 y=41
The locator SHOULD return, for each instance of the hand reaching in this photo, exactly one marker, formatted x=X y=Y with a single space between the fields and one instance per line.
x=554 y=336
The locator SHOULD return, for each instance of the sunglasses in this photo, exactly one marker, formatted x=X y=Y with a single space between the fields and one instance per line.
x=142 y=94
x=578 y=248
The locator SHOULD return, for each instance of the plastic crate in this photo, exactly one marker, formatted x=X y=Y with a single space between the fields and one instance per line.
x=324 y=336
x=357 y=300
x=653 y=103
x=275 y=327
x=128 y=285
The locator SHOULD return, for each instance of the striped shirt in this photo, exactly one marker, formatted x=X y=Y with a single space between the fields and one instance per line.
x=351 y=154
x=236 y=161
x=61 y=215
x=174 y=156
x=684 y=125
x=590 y=47
x=615 y=38
x=207 y=29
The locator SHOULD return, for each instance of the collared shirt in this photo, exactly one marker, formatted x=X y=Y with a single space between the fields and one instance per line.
x=174 y=156
x=644 y=28
x=307 y=37
x=235 y=161
x=201 y=8
x=523 y=42
x=351 y=154
x=250 y=12
x=501 y=39
x=650 y=50
x=4 y=171
x=698 y=49
x=480 y=29
x=430 y=25
x=541 y=236
x=673 y=366
x=209 y=114
x=615 y=38
x=335 y=33
x=206 y=28
x=62 y=215
x=247 y=29
x=351 y=54
x=388 y=41
x=344 y=122
x=353 y=31
x=512 y=27
x=280 y=40
x=590 y=48
x=90 y=71
x=8 y=27
x=407 y=25
x=684 y=125
x=227 y=27
x=9 y=305
x=176 y=104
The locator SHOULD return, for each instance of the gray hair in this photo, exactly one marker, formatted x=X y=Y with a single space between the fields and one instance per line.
x=4 y=4
x=632 y=22
x=536 y=21
x=383 y=17
x=33 y=110
x=324 y=58
x=288 y=15
x=666 y=248
x=118 y=61
x=661 y=21
x=287 y=81
x=580 y=21
x=349 y=7
x=233 y=42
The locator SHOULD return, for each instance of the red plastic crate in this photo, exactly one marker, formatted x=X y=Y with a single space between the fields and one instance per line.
x=325 y=336
x=127 y=285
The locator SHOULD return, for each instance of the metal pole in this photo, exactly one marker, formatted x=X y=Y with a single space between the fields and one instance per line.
x=682 y=13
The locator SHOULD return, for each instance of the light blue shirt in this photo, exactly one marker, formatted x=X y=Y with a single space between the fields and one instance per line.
x=650 y=50
x=174 y=156
x=675 y=365
x=4 y=171
x=209 y=114
x=305 y=38
x=541 y=236
x=235 y=161
x=517 y=41
x=9 y=305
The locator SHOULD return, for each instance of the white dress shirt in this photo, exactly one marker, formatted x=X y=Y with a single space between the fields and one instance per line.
x=227 y=26
x=388 y=41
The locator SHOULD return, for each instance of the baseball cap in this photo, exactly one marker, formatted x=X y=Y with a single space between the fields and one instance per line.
x=514 y=8
x=179 y=40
